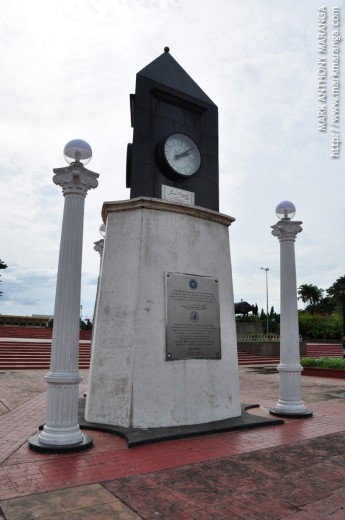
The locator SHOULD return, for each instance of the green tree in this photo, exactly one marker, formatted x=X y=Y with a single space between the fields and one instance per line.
x=2 y=266
x=273 y=321
x=334 y=292
x=325 y=306
x=319 y=326
x=310 y=293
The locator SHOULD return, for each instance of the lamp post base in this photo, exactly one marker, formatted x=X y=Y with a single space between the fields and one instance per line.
x=290 y=403
x=299 y=411
x=36 y=445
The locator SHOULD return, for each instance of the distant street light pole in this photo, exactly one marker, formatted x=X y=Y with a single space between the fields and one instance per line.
x=61 y=431
x=266 y=269
x=342 y=292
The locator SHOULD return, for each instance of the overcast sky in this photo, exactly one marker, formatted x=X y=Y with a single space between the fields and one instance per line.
x=68 y=67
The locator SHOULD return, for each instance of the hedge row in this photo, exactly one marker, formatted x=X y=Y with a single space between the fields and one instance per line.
x=320 y=326
x=324 y=362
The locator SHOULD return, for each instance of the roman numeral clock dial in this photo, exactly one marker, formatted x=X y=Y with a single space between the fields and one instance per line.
x=179 y=155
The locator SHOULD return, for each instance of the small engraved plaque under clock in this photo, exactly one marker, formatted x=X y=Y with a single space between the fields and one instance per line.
x=192 y=317
x=177 y=195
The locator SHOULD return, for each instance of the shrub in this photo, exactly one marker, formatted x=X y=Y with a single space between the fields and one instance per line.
x=324 y=362
x=320 y=326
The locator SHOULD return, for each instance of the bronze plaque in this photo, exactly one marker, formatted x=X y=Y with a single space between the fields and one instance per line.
x=192 y=317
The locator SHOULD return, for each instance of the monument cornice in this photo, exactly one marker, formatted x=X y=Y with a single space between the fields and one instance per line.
x=163 y=205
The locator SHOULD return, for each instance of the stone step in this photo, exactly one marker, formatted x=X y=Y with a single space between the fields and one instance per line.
x=19 y=355
x=313 y=351
x=34 y=332
x=320 y=350
x=245 y=358
x=35 y=365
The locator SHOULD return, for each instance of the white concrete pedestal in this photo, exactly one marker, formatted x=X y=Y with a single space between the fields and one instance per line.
x=132 y=384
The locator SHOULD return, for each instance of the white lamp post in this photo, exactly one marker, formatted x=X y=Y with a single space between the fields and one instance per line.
x=102 y=230
x=342 y=292
x=61 y=431
x=266 y=269
x=289 y=403
x=98 y=246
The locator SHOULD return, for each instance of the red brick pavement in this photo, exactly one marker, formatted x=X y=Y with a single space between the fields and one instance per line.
x=20 y=423
x=290 y=471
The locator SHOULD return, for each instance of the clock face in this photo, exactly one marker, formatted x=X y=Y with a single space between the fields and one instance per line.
x=181 y=154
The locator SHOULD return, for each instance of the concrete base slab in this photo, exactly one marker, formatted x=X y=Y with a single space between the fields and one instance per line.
x=138 y=436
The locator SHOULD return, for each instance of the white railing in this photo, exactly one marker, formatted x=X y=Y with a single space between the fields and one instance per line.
x=258 y=338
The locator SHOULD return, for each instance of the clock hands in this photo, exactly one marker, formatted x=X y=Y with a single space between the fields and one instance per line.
x=183 y=154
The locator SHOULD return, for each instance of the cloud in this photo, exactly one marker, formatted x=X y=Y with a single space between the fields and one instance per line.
x=27 y=290
x=68 y=72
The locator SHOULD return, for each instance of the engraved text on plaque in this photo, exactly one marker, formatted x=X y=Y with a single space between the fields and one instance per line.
x=192 y=317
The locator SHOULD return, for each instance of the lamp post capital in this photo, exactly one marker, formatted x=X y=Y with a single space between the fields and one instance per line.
x=286 y=230
x=98 y=246
x=75 y=179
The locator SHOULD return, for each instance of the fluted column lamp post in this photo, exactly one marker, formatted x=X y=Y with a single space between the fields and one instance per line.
x=98 y=246
x=61 y=431
x=290 y=403
x=342 y=292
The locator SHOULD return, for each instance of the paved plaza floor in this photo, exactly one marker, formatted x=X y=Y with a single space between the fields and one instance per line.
x=295 y=470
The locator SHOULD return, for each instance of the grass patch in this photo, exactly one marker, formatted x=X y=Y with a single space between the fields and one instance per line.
x=324 y=362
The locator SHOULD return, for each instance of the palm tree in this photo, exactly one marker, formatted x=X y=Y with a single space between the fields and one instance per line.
x=310 y=293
